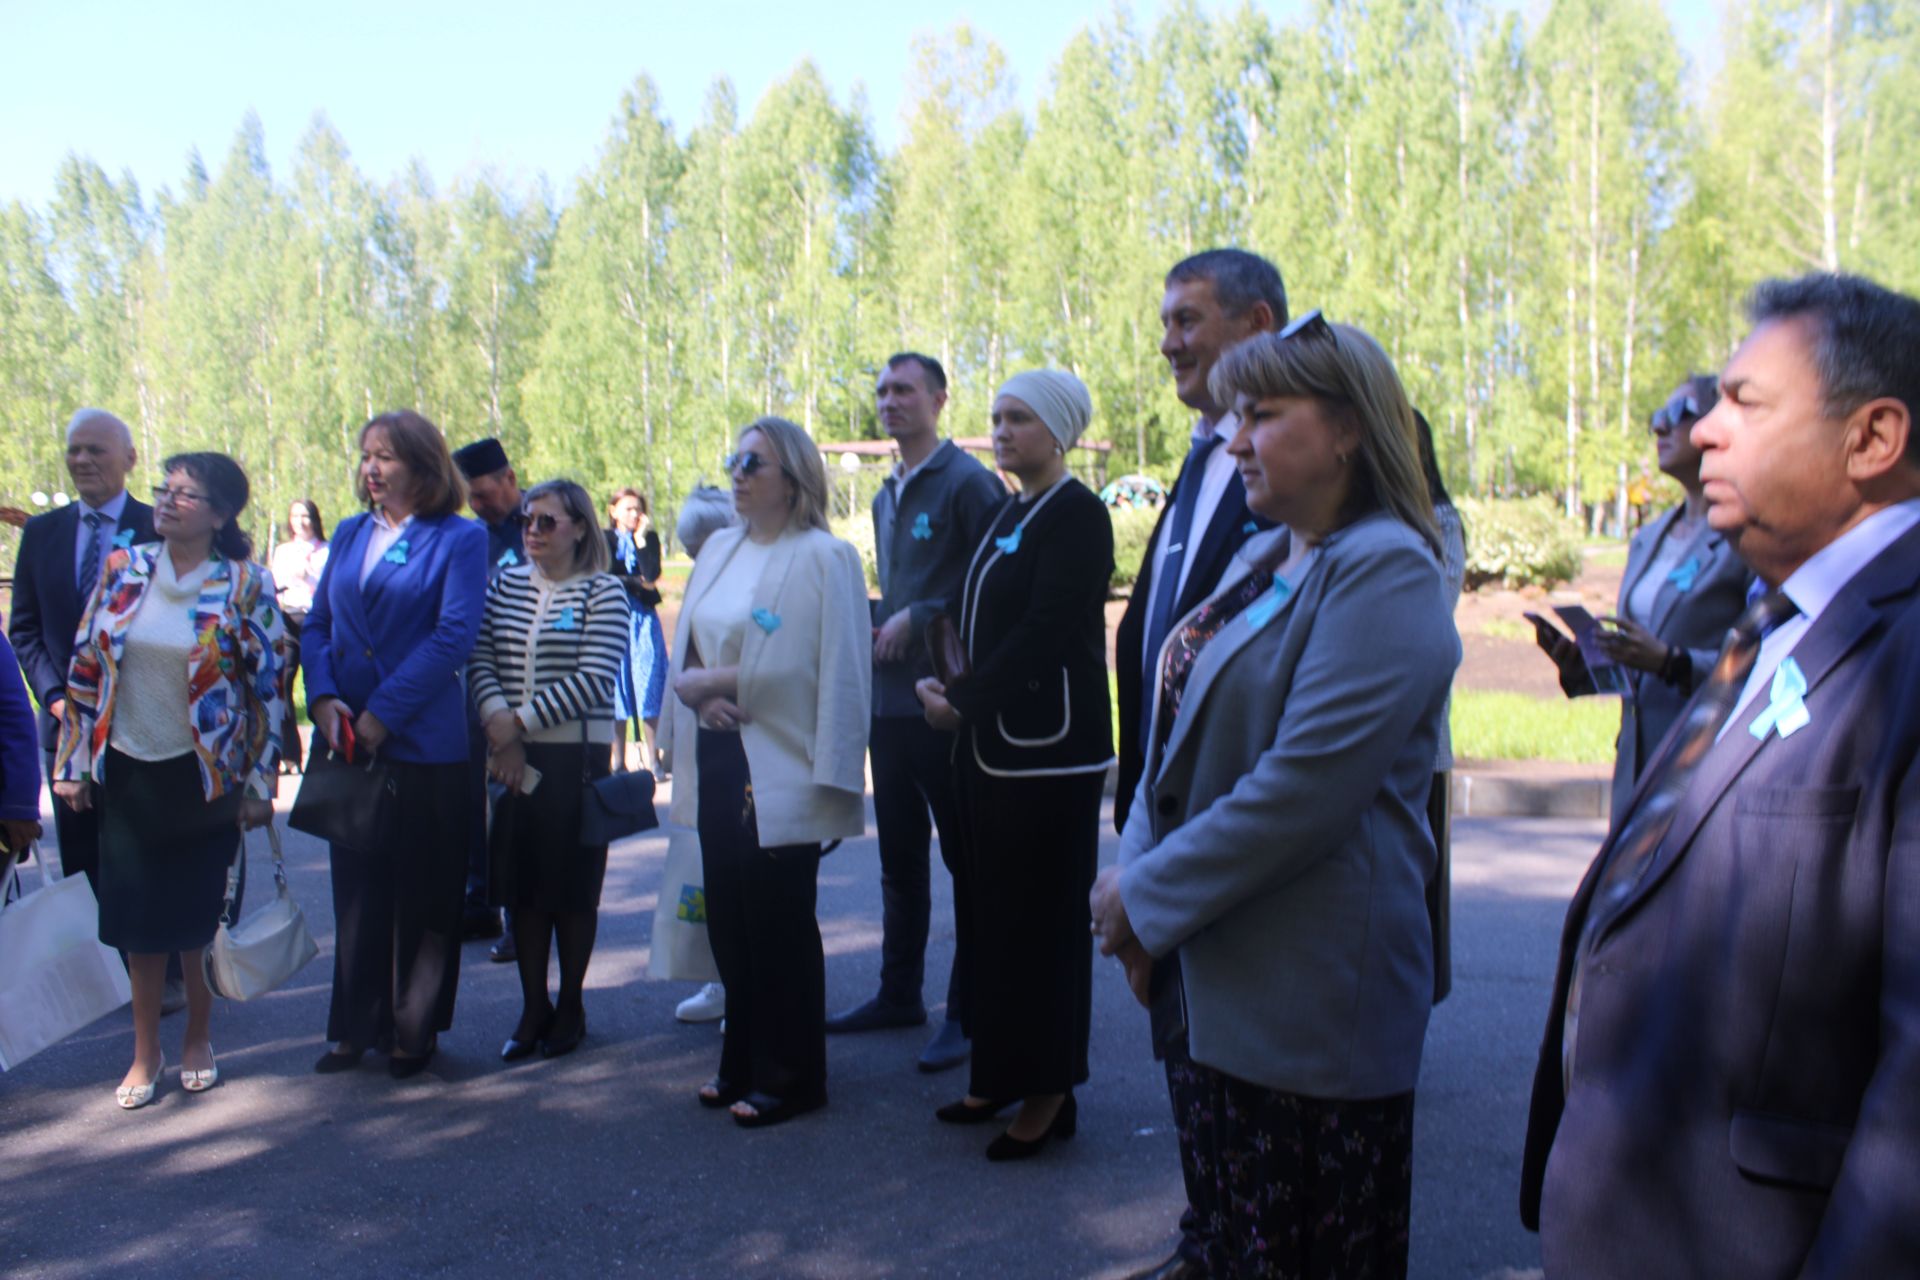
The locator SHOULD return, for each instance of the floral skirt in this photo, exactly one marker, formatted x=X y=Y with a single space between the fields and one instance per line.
x=1292 y=1187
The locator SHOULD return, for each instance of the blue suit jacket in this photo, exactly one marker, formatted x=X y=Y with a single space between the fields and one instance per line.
x=1745 y=1090
x=398 y=646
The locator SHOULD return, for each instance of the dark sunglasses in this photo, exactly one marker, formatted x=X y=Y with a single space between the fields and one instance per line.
x=543 y=523
x=1682 y=408
x=1311 y=323
x=743 y=465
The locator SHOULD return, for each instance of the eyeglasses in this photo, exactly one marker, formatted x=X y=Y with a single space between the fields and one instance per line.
x=1675 y=411
x=743 y=464
x=1312 y=322
x=163 y=496
x=544 y=523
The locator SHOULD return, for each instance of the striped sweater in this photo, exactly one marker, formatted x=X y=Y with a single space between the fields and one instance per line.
x=551 y=652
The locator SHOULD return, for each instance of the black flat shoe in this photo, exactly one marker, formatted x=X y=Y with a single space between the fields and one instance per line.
x=964 y=1112
x=876 y=1015
x=769 y=1110
x=333 y=1061
x=406 y=1068
x=515 y=1048
x=1066 y=1122
x=723 y=1095
x=564 y=1040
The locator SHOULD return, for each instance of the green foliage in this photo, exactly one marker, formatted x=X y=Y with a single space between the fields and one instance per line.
x=1518 y=542
x=858 y=530
x=1498 y=725
x=1132 y=531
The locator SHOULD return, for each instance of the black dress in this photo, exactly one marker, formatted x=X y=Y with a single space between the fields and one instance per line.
x=1030 y=765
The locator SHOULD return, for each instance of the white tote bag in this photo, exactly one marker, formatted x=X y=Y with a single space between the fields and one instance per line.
x=268 y=947
x=680 y=947
x=56 y=976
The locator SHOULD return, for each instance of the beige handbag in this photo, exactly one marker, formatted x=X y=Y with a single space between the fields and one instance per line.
x=260 y=953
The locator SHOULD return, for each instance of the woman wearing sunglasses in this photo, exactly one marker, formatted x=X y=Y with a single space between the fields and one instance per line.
x=1683 y=588
x=542 y=676
x=772 y=680
x=176 y=741
x=1279 y=840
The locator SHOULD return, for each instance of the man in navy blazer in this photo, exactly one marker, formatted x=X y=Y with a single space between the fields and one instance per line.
x=57 y=550
x=1740 y=1095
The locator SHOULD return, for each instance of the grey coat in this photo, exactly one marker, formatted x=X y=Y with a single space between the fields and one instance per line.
x=1280 y=842
x=1696 y=619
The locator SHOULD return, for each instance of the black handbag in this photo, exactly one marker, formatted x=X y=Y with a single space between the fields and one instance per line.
x=616 y=806
x=342 y=803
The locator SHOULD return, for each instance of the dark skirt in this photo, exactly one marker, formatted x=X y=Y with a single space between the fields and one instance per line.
x=537 y=860
x=1032 y=847
x=164 y=854
x=398 y=909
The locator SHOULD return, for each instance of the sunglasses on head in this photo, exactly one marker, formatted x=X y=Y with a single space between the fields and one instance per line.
x=1311 y=323
x=1682 y=408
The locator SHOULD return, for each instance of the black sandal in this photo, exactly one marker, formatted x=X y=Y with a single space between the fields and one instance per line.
x=723 y=1095
x=769 y=1110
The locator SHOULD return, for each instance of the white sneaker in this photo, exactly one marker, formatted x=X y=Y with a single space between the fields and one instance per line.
x=704 y=1005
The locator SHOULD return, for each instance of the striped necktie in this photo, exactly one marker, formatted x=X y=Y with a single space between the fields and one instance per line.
x=1634 y=853
x=90 y=562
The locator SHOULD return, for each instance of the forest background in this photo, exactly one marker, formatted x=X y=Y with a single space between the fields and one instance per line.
x=1547 y=224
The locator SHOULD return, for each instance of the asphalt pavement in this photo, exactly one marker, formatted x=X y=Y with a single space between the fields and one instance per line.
x=601 y=1162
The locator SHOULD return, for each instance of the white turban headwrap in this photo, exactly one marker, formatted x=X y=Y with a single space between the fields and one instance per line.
x=1057 y=396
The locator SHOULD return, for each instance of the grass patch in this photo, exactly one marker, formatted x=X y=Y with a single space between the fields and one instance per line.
x=1497 y=725
x=1506 y=629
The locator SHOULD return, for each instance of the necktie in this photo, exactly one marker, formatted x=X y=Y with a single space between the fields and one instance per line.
x=90 y=561
x=1634 y=852
x=1166 y=582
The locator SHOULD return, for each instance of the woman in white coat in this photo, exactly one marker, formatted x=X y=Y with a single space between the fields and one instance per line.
x=772 y=677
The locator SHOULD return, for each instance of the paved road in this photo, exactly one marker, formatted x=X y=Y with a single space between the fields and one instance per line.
x=601 y=1162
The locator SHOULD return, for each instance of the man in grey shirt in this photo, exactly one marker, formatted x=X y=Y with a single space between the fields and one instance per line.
x=927 y=519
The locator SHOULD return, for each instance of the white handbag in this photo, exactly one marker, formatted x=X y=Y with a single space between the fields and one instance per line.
x=261 y=952
x=56 y=976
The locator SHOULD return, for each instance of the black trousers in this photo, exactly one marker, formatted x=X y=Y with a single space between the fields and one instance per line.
x=397 y=914
x=912 y=782
x=478 y=860
x=766 y=942
x=1284 y=1185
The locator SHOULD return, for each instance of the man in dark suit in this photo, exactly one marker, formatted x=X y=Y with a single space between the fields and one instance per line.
x=1730 y=1079
x=58 y=567
x=1213 y=300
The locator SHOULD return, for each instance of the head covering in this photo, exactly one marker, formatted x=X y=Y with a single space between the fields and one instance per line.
x=481 y=458
x=704 y=512
x=1057 y=396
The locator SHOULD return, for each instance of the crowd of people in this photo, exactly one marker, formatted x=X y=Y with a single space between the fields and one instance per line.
x=1738 y=969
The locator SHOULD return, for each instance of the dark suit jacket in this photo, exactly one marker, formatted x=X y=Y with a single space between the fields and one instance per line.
x=46 y=601
x=1231 y=526
x=1745 y=1098
x=1696 y=619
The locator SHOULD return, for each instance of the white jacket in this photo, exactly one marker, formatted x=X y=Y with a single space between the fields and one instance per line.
x=806 y=683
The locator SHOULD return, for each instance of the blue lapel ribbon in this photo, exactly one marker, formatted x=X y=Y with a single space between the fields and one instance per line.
x=1011 y=543
x=767 y=620
x=1683 y=577
x=1261 y=611
x=397 y=553
x=1786 y=703
x=922 y=527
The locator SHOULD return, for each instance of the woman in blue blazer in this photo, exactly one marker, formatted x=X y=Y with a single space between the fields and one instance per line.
x=393 y=620
x=1279 y=840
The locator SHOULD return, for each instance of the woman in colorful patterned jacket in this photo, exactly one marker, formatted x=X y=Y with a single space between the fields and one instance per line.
x=172 y=728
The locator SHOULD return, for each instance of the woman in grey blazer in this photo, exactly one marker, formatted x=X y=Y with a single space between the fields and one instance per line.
x=1279 y=839
x=1683 y=588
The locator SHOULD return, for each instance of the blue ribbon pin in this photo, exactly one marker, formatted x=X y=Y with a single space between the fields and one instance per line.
x=566 y=621
x=123 y=539
x=1786 y=703
x=1261 y=611
x=507 y=558
x=767 y=620
x=397 y=554
x=1251 y=526
x=922 y=527
x=1683 y=577
x=1011 y=543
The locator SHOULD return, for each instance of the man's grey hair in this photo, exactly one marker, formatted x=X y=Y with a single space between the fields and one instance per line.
x=1864 y=340
x=705 y=512
x=86 y=417
x=1239 y=280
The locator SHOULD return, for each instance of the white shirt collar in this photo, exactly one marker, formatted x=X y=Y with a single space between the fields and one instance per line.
x=1814 y=584
x=109 y=510
x=380 y=520
x=903 y=473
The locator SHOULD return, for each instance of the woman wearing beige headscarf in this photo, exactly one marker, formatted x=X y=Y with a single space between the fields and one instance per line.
x=1035 y=740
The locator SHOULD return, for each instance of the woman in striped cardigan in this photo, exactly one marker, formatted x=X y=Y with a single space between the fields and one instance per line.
x=543 y=676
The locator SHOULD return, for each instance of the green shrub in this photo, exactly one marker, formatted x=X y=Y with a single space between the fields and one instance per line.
x=858 y=530
x=1519 y=542
x=1132 y=531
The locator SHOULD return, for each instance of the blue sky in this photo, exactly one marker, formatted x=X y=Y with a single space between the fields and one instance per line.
x=525 y=88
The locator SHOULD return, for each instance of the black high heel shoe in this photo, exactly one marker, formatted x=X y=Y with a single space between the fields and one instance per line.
x=406 y=1068
x=964 y=1112
x=563 y=1039
x=1066 y=1122
x=515 y=1048
x=333 y=1060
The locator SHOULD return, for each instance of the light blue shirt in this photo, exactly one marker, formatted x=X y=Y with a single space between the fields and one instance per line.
x=109 y=512
x=1814 y=585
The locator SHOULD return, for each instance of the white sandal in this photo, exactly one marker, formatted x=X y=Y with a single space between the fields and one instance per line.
x=200 y=1081
x=133 y=1096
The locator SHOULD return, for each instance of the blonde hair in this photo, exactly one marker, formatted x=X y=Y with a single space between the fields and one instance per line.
x=797 y=455
x=1348 y=374
x=590 y=553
